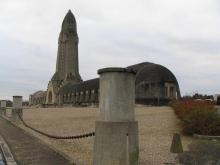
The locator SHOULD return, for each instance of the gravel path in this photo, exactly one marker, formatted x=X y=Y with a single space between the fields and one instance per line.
x=156 y=128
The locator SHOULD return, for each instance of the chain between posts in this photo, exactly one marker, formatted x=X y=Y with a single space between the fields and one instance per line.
x=57 y=137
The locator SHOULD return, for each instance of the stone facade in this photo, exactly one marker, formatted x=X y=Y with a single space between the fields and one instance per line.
x=154 y=83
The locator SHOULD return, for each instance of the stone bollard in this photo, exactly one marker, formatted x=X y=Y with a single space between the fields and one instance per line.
x=116 y=131
x=3 y=107
x=17 y=108
x=176 y=146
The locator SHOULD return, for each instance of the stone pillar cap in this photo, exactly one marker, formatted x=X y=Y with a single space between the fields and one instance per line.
x=116 y=69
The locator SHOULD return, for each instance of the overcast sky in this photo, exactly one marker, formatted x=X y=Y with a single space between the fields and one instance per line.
x=182 y=35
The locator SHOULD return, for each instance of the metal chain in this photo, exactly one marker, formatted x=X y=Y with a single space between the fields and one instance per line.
x=57 y=137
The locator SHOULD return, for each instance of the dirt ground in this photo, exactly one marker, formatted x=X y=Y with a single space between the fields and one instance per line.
x=156 y=128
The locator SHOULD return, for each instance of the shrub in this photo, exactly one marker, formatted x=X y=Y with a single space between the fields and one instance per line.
x=198 y=117
x=202 y=121
x=184 y=107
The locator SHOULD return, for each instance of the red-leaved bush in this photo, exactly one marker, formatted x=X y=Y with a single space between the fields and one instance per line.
x=198 y=117
x=184 y=107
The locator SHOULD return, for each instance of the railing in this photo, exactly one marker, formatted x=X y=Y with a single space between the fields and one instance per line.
x=90 y=134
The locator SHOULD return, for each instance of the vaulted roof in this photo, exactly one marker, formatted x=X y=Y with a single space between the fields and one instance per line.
x=151 y=72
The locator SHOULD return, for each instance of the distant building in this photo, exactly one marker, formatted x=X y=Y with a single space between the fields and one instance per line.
x=155 y=84
x=217 y=98
x=25 y=103
x=197 y=96
x=38 y=97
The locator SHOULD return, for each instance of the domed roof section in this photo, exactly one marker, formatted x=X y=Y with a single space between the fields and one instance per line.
x=69 y=22
x=153 y=73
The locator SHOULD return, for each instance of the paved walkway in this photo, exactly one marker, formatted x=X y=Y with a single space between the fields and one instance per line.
x=26 y=149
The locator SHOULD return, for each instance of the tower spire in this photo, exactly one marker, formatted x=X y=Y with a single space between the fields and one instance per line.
x=69 y=23
x=67 y=55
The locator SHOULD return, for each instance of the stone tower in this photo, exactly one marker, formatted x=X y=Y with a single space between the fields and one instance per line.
x=67 y=66
x=67 y=55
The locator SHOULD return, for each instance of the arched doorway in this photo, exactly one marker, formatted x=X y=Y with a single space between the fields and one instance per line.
x=50 y=97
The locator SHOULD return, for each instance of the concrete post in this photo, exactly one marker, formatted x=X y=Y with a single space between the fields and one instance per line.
x=3 y=107
x=116 y=131
x=17 y=108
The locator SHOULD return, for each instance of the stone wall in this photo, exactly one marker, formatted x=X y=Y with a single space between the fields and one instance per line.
x=80 y=98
